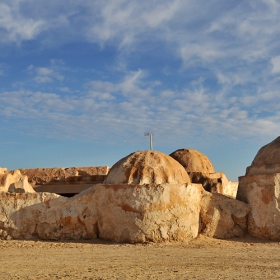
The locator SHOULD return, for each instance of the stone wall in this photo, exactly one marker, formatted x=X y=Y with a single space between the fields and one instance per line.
x=215 y=183
x=262 y=193
x=119 y=213
x=68 y=181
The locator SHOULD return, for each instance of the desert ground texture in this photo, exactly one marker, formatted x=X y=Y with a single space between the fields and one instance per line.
x=201 y=258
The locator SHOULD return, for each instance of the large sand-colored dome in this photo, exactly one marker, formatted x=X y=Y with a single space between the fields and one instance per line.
x=193 y=161
x=147 y=167
x=267 y=159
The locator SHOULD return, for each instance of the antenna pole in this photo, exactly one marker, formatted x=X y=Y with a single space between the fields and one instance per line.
x=150 y=134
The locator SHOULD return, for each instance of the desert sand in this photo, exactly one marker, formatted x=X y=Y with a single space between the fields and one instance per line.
x=201 y=258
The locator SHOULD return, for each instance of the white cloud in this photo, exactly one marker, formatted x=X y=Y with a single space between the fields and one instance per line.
x=43 y=79
x=16 y=27
x=161 y=13
x=228 y=53
x=43 y=71
x=112 y=109
x=275 y=61
x=45 y=74
x=64 y=89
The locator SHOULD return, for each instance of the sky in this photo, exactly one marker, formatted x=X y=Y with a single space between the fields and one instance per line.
x=82 y=81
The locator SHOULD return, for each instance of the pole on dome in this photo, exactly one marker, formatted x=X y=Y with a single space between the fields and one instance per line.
x=150 y=134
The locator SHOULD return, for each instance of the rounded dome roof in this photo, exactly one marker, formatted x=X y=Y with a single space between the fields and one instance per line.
x=193 y=161
x=267 y=159
x=147 y=167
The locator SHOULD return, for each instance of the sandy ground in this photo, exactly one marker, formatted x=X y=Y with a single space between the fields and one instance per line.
x=202 y=258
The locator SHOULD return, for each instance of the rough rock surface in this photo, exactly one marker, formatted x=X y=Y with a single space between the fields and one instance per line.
x=222 y=217
x=14 y=181
x=215 y=183
x=147 y=167
x=267 y=159
x=193 y=161
x=42 y=176
x=149 y=213
x=45 y=216
x=260 y=188
x=262 y=193
x=3 y=170
x=201 y=171
x=120 y=213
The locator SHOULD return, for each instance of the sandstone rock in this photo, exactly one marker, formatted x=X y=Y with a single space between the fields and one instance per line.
x=141 y=213
x=193 y=161
x=262 y=193
x=215 y=183
x=201 y=171
x=46 y=216
x=14 y=181
x=222 y=217
x=147 y=167
x=42 y=176
x=267 y=159
x=260 y=188
x=120 y=213
x=3 y=170
x=65 y=181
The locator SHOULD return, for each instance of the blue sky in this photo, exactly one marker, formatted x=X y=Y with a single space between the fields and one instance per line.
x=81 y=81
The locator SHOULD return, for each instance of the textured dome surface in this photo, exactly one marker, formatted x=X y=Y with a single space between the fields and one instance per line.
x=147 y=167
x=193 y=161
x=267 y=159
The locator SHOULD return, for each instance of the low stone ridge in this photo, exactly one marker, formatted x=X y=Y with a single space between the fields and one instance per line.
x=120 y=213
x=267 y=159
x=43 y=176
x=123 y=213
x=65 y=181
x=193 y=161
x=223 y=217
x=14 y=181
x=147 y=167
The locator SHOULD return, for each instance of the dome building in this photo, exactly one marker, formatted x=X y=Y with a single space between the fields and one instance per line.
x=193 y=161
x=267 y=159
x=260 y=189
x=201 y=171
x=147 y=167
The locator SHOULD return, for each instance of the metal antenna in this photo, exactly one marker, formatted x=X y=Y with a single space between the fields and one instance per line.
x=151 y=138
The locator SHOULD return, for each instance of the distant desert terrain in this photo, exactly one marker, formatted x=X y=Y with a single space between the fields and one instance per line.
x=202 y=258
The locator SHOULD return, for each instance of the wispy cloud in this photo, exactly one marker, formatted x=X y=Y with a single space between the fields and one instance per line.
x=225 y=81
x=14 y=26
x=46 y=74
x=131 y=106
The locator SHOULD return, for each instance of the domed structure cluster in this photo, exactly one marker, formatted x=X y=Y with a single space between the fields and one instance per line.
x=181 y=167
x=147 y=196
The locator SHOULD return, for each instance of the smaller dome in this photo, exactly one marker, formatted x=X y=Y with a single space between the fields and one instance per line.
x=267 y=159
x=193 y=161
x=147 y=167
